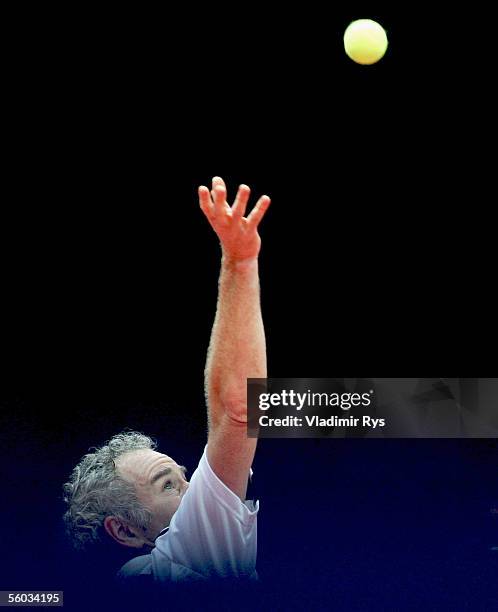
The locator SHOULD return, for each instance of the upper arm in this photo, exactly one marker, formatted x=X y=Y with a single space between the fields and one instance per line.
x=230 y=453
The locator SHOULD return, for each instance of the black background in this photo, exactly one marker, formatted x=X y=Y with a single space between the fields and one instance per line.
x=377 y=260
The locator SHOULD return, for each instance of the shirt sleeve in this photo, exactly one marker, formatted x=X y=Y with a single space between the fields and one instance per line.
x=213 y=532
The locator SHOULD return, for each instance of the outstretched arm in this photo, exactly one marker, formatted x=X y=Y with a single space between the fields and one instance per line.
x=237 y=349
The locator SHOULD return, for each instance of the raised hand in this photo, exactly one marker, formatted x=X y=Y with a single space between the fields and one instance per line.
x=238 y=234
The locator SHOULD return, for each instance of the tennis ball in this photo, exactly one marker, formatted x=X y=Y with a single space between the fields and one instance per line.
x=365 y=41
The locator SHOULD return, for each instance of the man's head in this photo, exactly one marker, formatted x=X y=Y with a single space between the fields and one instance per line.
x=126 y=489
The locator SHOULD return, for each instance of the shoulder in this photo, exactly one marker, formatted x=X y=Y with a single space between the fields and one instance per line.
x=213 y=533
x=209 y=493
x=136 y=567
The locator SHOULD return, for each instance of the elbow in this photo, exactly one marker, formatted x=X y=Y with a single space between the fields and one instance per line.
x=236 y=410
x=232 y=407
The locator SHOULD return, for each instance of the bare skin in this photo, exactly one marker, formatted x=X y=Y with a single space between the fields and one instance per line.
x=237 y=351
x=160 y=485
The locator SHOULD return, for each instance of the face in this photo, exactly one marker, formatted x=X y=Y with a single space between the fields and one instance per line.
x=160 y=484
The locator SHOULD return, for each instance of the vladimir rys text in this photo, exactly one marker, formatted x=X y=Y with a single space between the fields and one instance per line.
x=315 y=421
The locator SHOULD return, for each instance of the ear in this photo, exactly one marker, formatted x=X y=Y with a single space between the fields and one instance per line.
x=125 y=534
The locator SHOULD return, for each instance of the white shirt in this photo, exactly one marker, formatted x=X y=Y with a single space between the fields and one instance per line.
x=212 y=534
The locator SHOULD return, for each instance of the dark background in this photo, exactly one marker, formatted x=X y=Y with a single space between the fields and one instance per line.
x=377 y=260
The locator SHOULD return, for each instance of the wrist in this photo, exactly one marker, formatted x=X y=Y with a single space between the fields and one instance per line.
x=236 y=263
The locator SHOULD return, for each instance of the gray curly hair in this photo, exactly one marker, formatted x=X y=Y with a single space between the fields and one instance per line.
x=96 y=490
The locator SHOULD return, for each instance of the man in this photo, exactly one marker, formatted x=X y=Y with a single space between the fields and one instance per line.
x=140 y=498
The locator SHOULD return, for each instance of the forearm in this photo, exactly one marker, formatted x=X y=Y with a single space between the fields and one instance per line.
x=237 y=350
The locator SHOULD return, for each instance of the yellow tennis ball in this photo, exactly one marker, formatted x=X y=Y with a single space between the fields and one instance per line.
x=365 y=41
